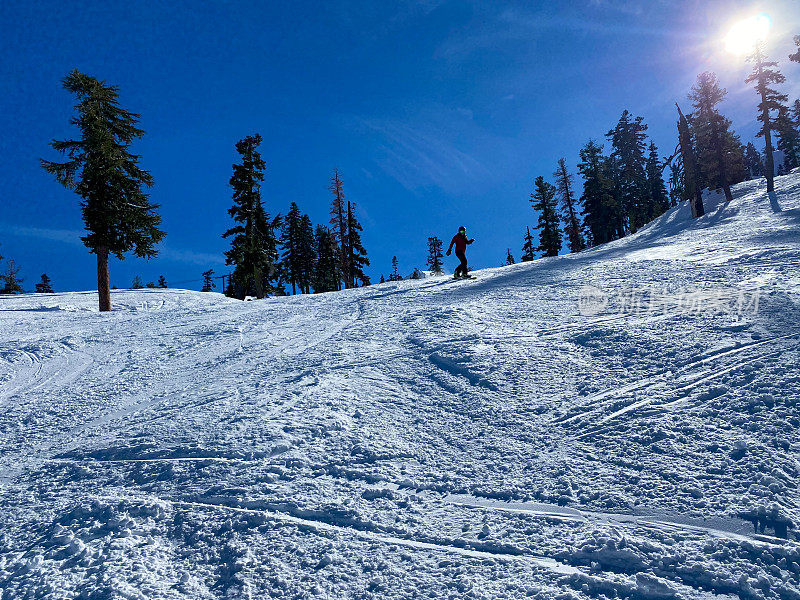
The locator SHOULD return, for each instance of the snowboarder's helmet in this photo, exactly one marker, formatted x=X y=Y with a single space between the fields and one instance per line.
x=462 y=229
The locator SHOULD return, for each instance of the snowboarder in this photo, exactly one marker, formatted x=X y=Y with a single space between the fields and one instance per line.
x=461 y=242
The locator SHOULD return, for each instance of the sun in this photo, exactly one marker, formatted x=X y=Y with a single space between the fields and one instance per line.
x=745 y=34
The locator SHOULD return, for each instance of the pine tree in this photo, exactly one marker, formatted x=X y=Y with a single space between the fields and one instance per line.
x=628 y=143
x=718 y=148
x=763 y=76
x=44 y=286
x=417 y=274
x=383 y=279
x=753 y=162
x=338 y=224
x=307 y=248
x=326 y=274
x=162 y=282
x=208 y=282
x=137 y=283
x=527 y=247
x=395 y=276
x=601 y=209
x=116 y=211
x=291 y=258
x=788 y=138
x=796 y=56
x=150 y=284
x=543 y=199
x=435 y=255
x=659 y=200
x=509 y=257
x=12 y=284
x=675 y=184
x=569 y=208
x=796 y=113
x=253 y=247
x=692 y=176
x=357 y=259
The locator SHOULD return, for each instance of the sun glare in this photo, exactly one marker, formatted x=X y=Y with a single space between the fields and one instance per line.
x=744 y=35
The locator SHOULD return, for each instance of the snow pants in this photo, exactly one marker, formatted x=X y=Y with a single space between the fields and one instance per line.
x=461 y=270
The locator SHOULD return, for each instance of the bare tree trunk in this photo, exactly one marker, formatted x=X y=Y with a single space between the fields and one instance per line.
x=728 y=193
x=103 y=286
x=770 y=162
x=698 y=209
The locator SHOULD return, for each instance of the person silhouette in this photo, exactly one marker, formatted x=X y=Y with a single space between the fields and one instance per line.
x=460 y=241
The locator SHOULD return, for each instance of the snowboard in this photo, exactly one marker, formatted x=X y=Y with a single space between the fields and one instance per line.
x=463 y=278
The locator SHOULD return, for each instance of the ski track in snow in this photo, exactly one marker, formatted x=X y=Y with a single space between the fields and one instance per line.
x=668 y=376
x=418 y=438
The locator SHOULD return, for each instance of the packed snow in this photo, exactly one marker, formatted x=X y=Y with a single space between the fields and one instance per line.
x=618 y=423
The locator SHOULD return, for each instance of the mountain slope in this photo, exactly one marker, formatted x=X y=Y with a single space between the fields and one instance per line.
x=590 y=424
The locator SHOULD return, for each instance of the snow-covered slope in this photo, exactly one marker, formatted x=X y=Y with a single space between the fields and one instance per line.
x=584 y=426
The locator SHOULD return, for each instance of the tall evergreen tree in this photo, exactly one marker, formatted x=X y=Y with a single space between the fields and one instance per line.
x=358 y=255
x=601 y=209
x=291 y=258
x=527 y=247
x=394 y=275
x=659 y=200
x=569 y=208
x=253 y=250
x=44 y=286
x=764 y=76
x=753 y=162
x=100 y=168
x=718 y=148
x=338 y=224
x=12 y=284
x=543 y=199
x=229 y=290
x=435 y=255
x=307 y=248
x=675 y=184
x=788 y=138
x=796 y=113
x=326 y=273
x=692 y=176
x=162 y=282
x=136 y=284
x=208 y=281
x=509 y=257
x=628 y=151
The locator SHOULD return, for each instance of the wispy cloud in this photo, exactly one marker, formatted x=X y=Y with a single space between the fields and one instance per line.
x=426 y=152
x=190 y=256
x=625 y=7
x=64 y=236
x=522 y=24
x=72 y=237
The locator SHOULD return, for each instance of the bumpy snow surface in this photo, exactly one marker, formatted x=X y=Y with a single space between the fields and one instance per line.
x=621 y=423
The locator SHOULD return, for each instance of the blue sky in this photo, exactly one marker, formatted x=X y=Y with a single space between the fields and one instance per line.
x=438 y=114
